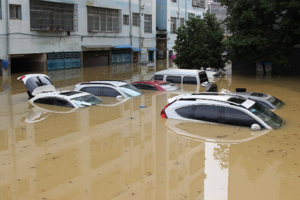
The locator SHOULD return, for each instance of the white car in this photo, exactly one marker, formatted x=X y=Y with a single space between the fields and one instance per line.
x=266 y=100
x=41 y=90
x=229 y=110
x=109 y=88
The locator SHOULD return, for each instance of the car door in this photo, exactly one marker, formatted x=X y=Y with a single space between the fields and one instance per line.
x=63 y=102
x=207 y=113
x=232 y=116
x=109 y=92
x=46 y=100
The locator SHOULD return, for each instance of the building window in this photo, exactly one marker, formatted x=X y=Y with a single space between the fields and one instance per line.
x=173 y=24
x=104 y=19
x=174 y=1
x=50 y=16
x=126 y=19
x=198 y=3
x=135 y=19
x=15 y=12
x=148 y=23
x=0 y=9
x=181 y=22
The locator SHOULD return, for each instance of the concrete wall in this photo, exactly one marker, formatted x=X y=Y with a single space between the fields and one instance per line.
x=24 y=41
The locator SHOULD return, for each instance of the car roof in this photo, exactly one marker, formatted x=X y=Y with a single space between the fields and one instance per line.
x=239 y=101
x=190 y=72
x=106 y=82
x=152 y=82
x=63 y=94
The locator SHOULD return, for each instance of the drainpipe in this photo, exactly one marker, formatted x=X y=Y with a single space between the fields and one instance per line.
x=185 y=11
x=130 y=22
x=141 y=39
x=178 y=12
x=7 y=38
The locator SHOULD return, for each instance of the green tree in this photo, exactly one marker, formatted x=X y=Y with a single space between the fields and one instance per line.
x=262 y=30
x=199 y=43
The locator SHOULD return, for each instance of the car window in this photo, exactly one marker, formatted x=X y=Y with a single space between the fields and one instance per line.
x=159 y=77
x=174 y=79
x=46 y=100
x=63 y=102
x=203 y=77
x=185 y=111
x=137 y=85
x=189 y=80
x=264 y=104
x=148 y=87
x=237 y=117
x=109 y=92
x=92 y=90
x=207 y=113
x=38 y=81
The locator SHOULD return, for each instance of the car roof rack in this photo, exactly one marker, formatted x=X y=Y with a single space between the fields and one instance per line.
x=216 y=100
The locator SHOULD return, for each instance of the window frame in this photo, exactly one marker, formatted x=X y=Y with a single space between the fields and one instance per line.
x=15 y=11
x=148 y=23
x=181 y=22
x=126 y=20
x=97 y=17
x=136 y=19
x=174 y=1
x=173 y=25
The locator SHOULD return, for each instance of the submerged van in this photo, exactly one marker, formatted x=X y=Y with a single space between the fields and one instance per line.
x=182 y=76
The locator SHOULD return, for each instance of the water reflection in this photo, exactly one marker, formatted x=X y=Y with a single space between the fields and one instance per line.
x=121 y=151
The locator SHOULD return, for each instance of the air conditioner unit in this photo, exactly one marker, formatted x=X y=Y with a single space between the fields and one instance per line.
x=142 y=6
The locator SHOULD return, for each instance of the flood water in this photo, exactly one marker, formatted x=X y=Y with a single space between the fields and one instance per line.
x=121 y=151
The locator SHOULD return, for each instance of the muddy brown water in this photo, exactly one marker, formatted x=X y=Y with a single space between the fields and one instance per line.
x=121 y=151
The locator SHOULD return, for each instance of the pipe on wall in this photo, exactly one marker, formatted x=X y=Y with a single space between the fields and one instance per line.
x=7 y=39
x=130 y=22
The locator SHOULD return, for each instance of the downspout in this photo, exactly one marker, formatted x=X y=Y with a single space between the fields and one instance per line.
x=185 y=11
x=178 y=12
x=7 y=38
x=130 y=22
x=140 y=9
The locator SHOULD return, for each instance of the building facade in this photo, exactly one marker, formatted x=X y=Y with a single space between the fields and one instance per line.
x=38 y=35
x=170 y=15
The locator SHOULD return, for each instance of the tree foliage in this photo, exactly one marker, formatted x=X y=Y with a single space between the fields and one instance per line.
x=199 y=43
x=263 y=30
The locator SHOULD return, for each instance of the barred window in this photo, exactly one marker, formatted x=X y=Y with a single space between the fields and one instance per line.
x=53 y=16
x=173 y=25
x=135 y=19
x=104 y=19
x=181 y=22
x=148 y=23
x=126 y=19
x=198 y=3
x=0 y=9
x=15 y=12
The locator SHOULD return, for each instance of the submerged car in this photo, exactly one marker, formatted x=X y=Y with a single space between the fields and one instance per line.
x=109 y=88
x=266 y=100
x=41 y=90
x=230 y=110
x=155 y=85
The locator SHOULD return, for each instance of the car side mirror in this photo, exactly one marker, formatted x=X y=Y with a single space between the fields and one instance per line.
x=255 y=127
x=119 y=97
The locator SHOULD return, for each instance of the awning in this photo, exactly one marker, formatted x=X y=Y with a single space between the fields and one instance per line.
x=123 y=46
x=137 y=50
x=97 y=46
x=152 y=49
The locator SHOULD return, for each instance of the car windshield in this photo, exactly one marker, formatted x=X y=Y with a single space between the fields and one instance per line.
x=130 y=90
x=86 y=100
x=276 y=102
x=38 y=81
x=266 y=115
